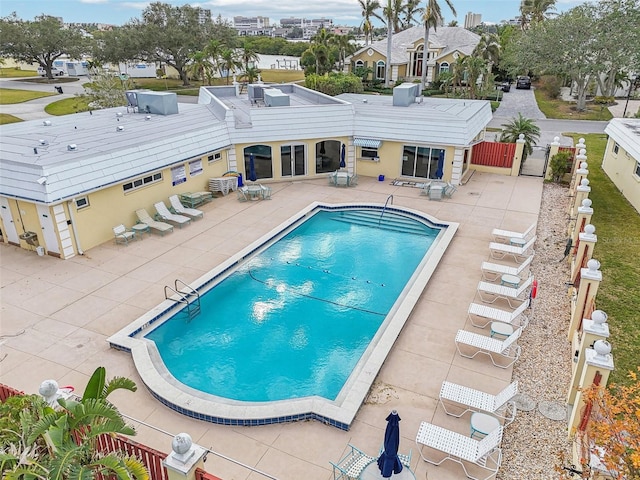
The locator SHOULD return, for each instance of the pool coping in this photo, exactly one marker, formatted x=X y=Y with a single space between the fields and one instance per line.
x=339 y=412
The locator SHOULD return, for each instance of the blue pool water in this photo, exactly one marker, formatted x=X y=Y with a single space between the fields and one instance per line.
x=293 y=320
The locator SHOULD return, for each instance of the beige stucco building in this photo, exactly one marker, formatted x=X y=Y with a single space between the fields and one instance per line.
x=66 y=182
x=621 y=160
x=446 y=46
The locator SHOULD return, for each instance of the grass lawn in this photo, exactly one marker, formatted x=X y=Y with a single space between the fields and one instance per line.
x=6 y=118
x=67 y=106
x=11 y=96
x=559 y=109
x=174 y=85
x=618 y=229
x=16 y=72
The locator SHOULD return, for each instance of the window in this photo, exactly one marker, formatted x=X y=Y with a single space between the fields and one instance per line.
x=369 y=153
x=637 y=170
x=328 y=156
x=141 y=182
x=423 y=162
x=262 y=161
x=417 y=62
x=81 y=202
x=359 y=64
x=616 y=147
x=444 y=67
x=214 y=157
x=380 y=70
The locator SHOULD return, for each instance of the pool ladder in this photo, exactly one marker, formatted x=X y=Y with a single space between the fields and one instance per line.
x=190 y=297
x=389 y=199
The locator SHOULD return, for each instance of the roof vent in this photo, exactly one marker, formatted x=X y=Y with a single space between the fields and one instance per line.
x=119 y=114
x=72 y=147
x=47 y=123
x=119 y=128
x=364 y=100
x=148 y=117
x=42 y=141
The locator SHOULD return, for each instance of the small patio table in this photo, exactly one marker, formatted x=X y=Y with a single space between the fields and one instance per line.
x=483 y=424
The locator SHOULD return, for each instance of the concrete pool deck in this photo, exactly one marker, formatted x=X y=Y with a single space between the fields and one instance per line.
x=67 y=309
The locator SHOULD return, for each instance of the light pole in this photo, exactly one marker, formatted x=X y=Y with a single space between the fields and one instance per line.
x=632 y=83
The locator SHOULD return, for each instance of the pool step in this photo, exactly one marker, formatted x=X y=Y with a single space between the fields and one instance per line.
x=389 y=221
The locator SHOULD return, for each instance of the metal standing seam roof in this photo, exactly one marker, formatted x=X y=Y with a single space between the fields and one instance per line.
x=107 y=155
x=449 y=38
x=626 y=132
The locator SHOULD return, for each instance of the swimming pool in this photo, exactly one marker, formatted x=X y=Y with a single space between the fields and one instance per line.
x=282 y=281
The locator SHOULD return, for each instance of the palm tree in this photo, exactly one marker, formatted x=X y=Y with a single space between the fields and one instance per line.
x=535 y=11
x=214 y=50
x=473 y=67
x=369 y=8
x=200 y=66
x=409 y=13
x=488 y=49
x=251 y=74
x=345 y=46
x=391 y=14
x=248 y=55
x=431 y=18
x=525 y=126
x=229 y=62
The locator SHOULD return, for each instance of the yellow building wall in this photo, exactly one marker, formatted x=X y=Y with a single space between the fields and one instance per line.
x=620 y=168
x=370 y=60
x=25 y=219
x=112 y=206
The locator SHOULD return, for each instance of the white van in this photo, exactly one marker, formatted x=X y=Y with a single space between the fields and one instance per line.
x=56 y=72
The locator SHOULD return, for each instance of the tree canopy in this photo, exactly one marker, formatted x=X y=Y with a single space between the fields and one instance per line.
x=40 y=41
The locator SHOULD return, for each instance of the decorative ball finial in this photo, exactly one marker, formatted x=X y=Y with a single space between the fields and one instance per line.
x=586 y=203
x=581 y=140
x=584 y=165
x=589 y=229
x=48 y=388
x=583 y=151
x=599 y=317
x=593 y=265
x=181 y=443
x=521 y=136
x=602 y=348
x=584 y=182
x=556 y=139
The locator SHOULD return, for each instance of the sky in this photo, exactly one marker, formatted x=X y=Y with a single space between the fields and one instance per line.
x=343 y=12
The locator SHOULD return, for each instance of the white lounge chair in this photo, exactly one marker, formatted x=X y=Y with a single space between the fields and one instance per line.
x=485 y=453
x=506 y=348
x=501 y=291
x=500 y=405
x=492 y=314
x=501 y=250
x=145 y=218
x=507 y=234
x=165 y=214
x=180 y=209
x=493 y=271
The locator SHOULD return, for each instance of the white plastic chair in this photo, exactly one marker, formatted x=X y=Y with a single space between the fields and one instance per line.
x=492 y=314
x=500 y=405
x=506 y=348
x=485 y=453
x=507 y=234
x=351 y=465
x=501 y=250
x=122 y=235
x=501 y=291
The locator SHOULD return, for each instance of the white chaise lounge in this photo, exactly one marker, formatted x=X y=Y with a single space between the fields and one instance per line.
x=508 y=234
x=491 y=314
x=165 y=214
x=493 y=271
x=490 y=292
x=500 y=405
x=501 y=250
x=485 y=453
x=180 y=209
x=506 y=348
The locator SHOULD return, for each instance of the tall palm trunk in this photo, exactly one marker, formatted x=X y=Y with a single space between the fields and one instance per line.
x=425 y=56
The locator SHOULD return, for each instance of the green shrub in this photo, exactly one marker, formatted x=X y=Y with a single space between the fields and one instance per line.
x=601 y=100
x=558 y=165
x=550 y=85
x=334 y=83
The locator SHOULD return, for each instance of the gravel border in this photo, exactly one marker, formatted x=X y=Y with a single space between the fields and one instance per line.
x=532 y=443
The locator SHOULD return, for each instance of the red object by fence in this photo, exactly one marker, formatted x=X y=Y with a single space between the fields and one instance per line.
x=493 y=154
x=202 y=475
x=6 y=392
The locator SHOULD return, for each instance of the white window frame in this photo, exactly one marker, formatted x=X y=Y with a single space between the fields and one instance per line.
x=81 y=202
x=214 y=157
x=637 y=169
x=444 y=65
x=142 y=182
x=369 y=153
x=380 y=64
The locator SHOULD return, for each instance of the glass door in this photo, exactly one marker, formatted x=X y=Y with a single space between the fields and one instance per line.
x=293 y=160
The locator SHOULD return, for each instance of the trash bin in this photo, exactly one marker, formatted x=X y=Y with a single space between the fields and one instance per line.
x=40 y=251
x=240 y=184
x=381 y=178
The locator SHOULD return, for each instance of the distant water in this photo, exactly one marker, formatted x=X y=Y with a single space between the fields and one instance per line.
x=279 y=62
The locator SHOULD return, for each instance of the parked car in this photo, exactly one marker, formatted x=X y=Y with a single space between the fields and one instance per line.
x=56 y=72
x=505 y=86
x=523 y=81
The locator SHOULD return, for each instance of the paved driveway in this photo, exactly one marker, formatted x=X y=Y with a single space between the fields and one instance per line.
x=518 y=101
